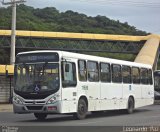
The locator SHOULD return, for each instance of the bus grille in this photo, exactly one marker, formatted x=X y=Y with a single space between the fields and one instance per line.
x=34 y=107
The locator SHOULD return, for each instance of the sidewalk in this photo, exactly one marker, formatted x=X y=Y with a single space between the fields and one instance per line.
x=6 y=108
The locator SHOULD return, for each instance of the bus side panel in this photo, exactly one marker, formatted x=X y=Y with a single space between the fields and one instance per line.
x=111 y=95
x=93 y=94
x=107 y=95
x=82 y=91
x=150 y=95
x=117 y=91
x=147 y=94
x=68 y=106
x=127 y=91
x=144 y=94
x=138 y=95
x=69 y=103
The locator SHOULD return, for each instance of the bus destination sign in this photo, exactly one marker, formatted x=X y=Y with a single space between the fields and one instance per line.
x=37 y=57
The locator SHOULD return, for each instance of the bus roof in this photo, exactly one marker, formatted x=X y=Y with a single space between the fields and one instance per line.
x=90 y=57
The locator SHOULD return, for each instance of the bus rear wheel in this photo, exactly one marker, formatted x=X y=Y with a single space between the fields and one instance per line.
x=130 y=108
x=82 y=110
x=40 y=116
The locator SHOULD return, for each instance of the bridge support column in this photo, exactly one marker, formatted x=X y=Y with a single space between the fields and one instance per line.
x=149 y=54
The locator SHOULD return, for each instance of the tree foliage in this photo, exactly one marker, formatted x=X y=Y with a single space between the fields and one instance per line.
x=50 y=19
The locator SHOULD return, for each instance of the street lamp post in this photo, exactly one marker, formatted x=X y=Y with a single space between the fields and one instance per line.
x=13 y=3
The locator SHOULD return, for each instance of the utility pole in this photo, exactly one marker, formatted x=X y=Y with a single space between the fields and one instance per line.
x=13 y=3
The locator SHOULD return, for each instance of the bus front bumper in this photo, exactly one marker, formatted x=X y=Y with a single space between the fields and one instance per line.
x=47 y=108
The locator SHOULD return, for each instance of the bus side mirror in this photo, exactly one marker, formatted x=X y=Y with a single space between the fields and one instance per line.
x=66 y=67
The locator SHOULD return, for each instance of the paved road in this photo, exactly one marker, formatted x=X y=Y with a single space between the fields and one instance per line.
x=145 y=116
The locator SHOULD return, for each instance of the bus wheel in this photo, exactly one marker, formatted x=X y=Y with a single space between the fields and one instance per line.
x=130 y=108
x=40 y=116
x=82 y=110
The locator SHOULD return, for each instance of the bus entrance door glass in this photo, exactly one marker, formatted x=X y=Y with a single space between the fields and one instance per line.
x=69 y=82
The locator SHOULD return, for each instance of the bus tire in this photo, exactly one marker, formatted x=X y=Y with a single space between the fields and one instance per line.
x=130 y=107
x=82 y=110
x=40 y=116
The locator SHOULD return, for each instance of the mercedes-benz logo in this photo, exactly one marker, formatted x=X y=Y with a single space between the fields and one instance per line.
x=36 y=88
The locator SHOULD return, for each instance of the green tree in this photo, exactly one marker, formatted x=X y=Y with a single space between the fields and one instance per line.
x=50 y=19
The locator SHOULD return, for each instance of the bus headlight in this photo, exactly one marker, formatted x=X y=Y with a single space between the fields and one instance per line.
x=17 y=100
x=51 y=100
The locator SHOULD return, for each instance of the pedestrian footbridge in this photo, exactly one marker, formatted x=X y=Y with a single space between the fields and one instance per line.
x=149 y=54
x=146 y=48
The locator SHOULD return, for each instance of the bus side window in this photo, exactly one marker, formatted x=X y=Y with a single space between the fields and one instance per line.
x=144 y=76
x=82 y=70
x=135 y=75
x=150 y=79
x=69 y=74
x=126 y=74
x=105 y=72
x=116 y=73
x=93 y=72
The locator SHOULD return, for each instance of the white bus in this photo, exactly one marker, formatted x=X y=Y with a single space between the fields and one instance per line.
x=49 y=82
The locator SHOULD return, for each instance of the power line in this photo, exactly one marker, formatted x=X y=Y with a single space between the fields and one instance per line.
x=123 y=3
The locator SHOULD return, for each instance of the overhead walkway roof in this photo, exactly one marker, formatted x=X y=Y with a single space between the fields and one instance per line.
x=66 y=35
x=148 y=54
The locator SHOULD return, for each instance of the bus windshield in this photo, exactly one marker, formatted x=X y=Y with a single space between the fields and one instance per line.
x=37 y=78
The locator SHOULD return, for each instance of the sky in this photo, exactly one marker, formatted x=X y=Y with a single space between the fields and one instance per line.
x=143 y=14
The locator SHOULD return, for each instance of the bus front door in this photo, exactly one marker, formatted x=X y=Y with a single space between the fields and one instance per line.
x=69 y=91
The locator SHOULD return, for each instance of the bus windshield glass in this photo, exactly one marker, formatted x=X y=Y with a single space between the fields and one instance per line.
x=36 y=78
